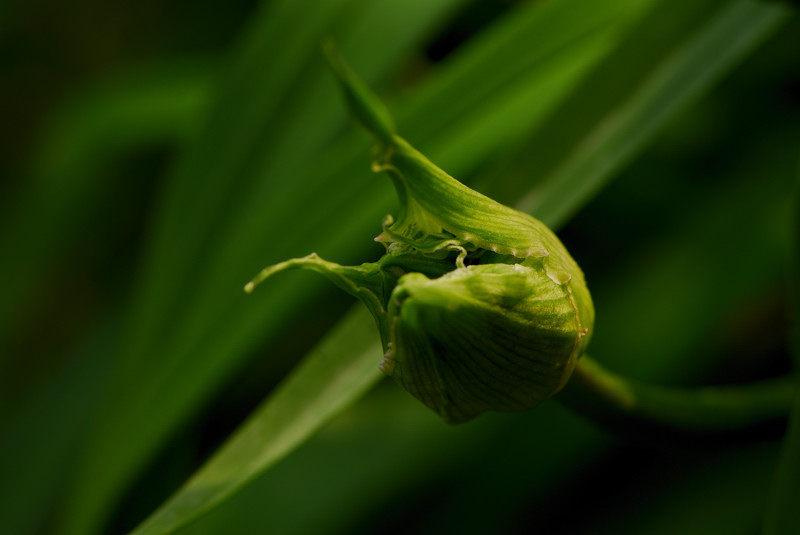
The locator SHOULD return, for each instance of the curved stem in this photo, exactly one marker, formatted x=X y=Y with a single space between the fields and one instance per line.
x=633 y=406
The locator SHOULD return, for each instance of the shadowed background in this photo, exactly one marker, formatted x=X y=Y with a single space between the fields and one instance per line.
x=155 y=156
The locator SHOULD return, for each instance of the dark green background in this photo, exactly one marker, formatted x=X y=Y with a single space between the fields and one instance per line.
x=139 y=142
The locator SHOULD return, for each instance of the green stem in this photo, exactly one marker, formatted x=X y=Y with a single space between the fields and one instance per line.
x=632 y=406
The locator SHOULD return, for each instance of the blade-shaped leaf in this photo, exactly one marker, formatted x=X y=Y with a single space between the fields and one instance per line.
x=319 y=388
x=668 y=73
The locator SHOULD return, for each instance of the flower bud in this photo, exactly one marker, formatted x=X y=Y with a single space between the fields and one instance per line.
x=479 y=306
x=500 y=337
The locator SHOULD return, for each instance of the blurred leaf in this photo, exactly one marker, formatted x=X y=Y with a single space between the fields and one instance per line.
x=666 y=62
x=116 y=116
x=488 y=94
x=42 y=438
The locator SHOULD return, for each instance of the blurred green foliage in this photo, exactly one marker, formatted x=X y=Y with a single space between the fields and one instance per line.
x=157 y=155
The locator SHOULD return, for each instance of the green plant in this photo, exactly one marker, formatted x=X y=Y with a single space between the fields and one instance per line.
x=267 y=168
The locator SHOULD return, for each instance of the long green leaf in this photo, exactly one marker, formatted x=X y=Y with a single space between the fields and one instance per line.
x=685 y=67
x=319 y=388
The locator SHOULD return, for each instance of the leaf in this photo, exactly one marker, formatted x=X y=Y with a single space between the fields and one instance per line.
x=105 y=122
x=33 y=466
x=111 y=118
x=319 y=388
x=669 y=71
x=343 y=476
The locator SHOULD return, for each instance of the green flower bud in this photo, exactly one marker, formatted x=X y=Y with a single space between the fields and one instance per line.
x=480 y=307
x=486 y=337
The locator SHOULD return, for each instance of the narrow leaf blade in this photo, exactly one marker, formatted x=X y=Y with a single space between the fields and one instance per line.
x=326 y=383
